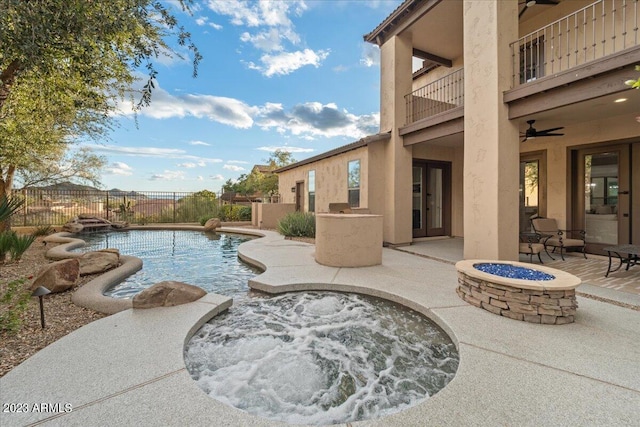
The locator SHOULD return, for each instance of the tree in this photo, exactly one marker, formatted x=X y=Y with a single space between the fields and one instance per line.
x=277 y=159
x=634 y=83
x=55 y=167
x=64 y=62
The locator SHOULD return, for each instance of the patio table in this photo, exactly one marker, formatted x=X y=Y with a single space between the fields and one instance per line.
x=631 y=258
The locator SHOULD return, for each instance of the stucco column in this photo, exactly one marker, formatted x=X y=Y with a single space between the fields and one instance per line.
x=395 y=83
x=491 y=141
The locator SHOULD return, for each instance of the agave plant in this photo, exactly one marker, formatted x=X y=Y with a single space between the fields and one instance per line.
x=8 y=206
x=19 y=245
x=6 y=242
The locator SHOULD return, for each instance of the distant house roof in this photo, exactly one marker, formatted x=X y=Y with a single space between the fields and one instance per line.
x=345 y=148
x=262 y=168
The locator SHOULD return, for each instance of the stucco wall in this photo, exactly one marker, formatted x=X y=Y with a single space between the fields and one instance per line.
x=331 y=180
x=267 y=215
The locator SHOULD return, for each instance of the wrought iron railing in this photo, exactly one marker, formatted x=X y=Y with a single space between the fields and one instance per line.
x=437 y=97
x=593 y=32
x=56 y=207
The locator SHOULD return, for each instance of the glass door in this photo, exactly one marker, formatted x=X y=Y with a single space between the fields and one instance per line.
x=532 y=188
x=602 y=196
x=418 y=202
x=431 y=204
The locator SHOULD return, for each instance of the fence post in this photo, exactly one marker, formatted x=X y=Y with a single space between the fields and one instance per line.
x=174 y=207
x=24 y=208
x=107 y=205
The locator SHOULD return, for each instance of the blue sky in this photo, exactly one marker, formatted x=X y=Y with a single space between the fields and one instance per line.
x=294 y=75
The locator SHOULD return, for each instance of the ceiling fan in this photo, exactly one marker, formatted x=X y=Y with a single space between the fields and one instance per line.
x=529 y=3
x=531 y=132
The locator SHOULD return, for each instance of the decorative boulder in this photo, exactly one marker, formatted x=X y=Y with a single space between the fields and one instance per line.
x=212 y=224
x=98 y=261
x=167 y=294
x=58 y=276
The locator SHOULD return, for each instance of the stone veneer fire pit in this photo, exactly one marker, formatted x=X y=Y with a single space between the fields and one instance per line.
x=534 y=294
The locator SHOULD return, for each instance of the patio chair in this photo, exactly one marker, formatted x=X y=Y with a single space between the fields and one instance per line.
x=530 y=245
x=556 y=238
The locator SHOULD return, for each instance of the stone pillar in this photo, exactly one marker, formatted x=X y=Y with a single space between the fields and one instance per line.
x=491 y=141
x=395 y=82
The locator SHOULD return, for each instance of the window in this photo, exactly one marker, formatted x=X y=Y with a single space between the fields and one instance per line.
x=312 y=191
x=532 y=60
x=353 y=183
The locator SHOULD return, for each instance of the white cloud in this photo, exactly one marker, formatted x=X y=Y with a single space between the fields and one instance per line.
x=228 y=111
x=206 y=144
x=119 y=168
x=204 y=20
x=200 y=178
x=187 y=165
x=288 y=62
x=237 y=162
x=233 y=168
x=256 y=14
x=167 y=175
x=273 y=148
x=167 y=153
x=370 y=55
x=217 y=177
x=313 y=119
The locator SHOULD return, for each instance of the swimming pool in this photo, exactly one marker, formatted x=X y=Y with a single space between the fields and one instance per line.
x=207 y=260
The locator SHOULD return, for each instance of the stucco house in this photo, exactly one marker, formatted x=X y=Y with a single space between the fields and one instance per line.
x=519 y=109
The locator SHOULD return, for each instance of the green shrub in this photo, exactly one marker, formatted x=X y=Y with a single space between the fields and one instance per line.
x=20 y=245
x=244 y=213
x=42 y=230
x=203 y=219
x=235 y=213
x=13 y=300
x=6 y=242
x=298 y=224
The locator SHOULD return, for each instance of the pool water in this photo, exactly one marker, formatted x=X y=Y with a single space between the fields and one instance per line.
x=321 y=358
x=207 y=260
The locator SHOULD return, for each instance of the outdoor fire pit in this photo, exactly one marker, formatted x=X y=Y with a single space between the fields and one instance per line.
x=520 y=291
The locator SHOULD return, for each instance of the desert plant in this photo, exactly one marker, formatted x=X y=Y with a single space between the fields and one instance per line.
x=6 y=242
x=19 y=245
x=42 y=230
x=203 y=219
x=235 y=213
x=14 y=298
x=298 y=224
x=8 y=206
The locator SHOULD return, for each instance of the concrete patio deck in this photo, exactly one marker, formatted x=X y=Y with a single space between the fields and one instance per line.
x=128 y=369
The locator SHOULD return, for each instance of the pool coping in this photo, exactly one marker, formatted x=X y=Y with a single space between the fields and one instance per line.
x=510 y=373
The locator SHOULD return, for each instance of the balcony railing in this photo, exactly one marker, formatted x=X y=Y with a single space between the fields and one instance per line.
x=593 y=32
x=437 y=97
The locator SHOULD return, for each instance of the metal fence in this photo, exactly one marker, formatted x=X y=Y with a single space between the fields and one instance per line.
x=593 y=32
x=437 y=97
x=56 y=207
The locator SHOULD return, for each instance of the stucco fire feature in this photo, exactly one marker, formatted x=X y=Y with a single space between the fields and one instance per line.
x=348 y=240
x=544 y=295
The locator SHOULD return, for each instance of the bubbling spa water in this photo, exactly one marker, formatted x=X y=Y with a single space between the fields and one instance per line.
x=321 y=358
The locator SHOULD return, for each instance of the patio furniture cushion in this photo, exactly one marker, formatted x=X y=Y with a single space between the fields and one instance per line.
x=554 y=237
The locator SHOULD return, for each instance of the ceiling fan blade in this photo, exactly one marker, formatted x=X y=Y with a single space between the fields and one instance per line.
x=549 y=134
x=547 y=2
x=552 y=129
x=524 y=9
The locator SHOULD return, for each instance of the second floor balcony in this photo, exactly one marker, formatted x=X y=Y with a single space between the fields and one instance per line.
x=600 y=40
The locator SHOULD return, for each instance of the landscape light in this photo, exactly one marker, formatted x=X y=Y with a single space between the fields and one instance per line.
x=39 y=292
